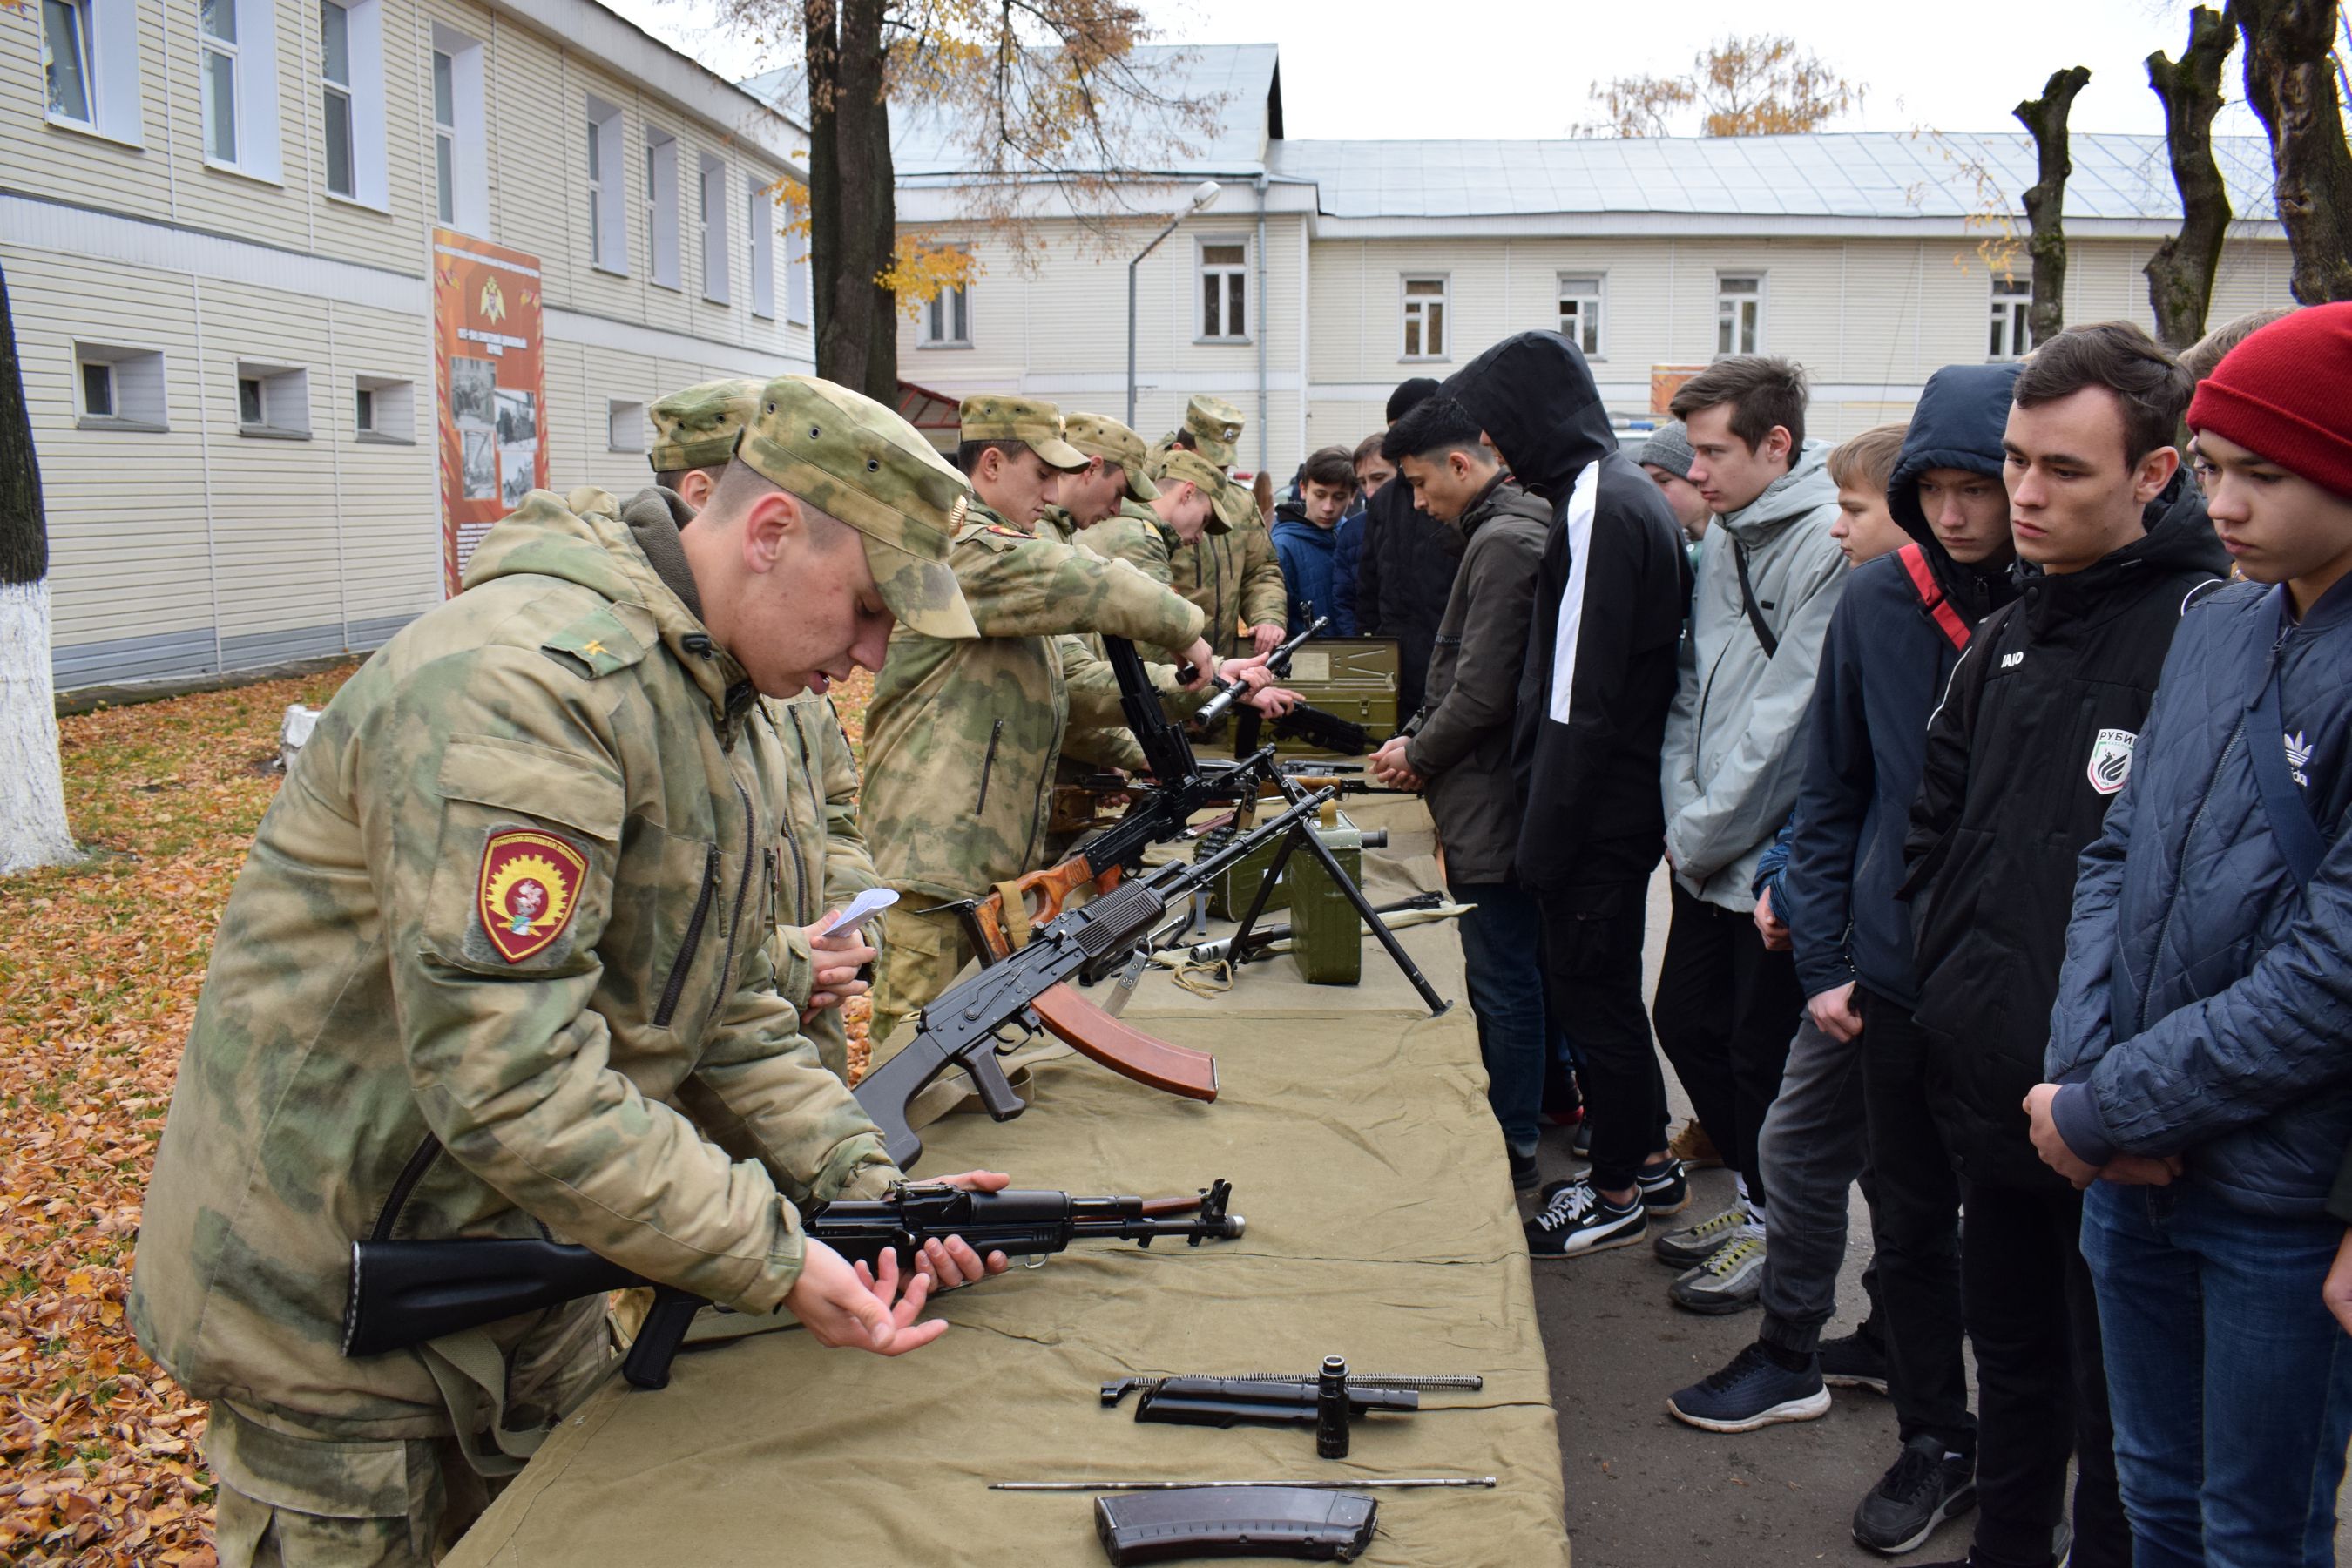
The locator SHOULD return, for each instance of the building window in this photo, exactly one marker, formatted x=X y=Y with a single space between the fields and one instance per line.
x=798 y=290
x=760 y=238
x=1224 y=290
x=335 y=76
x=947 y=319
x=273 y=400
x=1425 y=318
x=119 y=388
x=608 y=207
x=90 y=67
x=1738 y=313
x=383 y=409
x=2012 y=298
x=661 y=207
x=65 y=61
x=217 y=21
x=461 y=171
x=625 y=426
x=1580 y=313
x=715 y=260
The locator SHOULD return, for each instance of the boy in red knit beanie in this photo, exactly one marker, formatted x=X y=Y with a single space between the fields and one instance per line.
x=2199 y=1081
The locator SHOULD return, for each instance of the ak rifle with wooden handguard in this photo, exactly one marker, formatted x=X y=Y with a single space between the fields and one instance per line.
x=405 y=1292
x=962 y=1027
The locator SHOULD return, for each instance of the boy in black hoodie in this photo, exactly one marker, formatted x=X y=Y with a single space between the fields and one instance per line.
x=1598 y=678
x=2032 y=742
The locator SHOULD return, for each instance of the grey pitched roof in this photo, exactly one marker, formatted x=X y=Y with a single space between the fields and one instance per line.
x=1873 y=175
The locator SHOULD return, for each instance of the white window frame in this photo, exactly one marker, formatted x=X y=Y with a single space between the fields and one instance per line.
x=663 y=258
x=1730 y=337
x=946 y=319
x=1227 y=278
x=284 y=401
x=394 y=405
x=465 y=132
x=252 y=55
x=81 y=47
x=109 y=41
x=364 y=93
x=608 y=189
x=760 y=234
x=136 y=375
x=1591 y=313
x=1412 y=310
x=2012 y=299
x=710 y=185
x=800 y=291
x=627 y=428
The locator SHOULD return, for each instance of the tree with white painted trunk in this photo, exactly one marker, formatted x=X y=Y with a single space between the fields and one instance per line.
x=32 y=792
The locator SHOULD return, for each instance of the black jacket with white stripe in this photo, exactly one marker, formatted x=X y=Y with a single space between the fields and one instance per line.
x=1608 y=606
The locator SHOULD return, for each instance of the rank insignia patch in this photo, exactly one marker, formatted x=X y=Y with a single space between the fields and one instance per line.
x=531 y=881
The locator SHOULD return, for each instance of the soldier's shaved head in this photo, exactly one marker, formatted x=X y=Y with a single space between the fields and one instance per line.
x=783 y=587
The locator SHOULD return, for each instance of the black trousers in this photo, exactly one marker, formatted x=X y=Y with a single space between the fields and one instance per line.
x=1916 y=1230
x=1726 y=1011
x=2042 y=1390
x=1592 y=978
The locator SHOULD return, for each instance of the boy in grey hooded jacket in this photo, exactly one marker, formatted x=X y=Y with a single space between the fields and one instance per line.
x=1769 y=576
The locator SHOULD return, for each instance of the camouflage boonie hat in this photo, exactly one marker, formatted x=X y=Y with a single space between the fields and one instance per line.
x=1178 y=463
x=850 y=457
x=696 y=428
x=1216 y=427
x=1038 y=425
x=1100 y=436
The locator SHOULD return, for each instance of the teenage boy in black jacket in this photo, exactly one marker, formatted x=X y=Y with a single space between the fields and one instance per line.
x=2032 y=742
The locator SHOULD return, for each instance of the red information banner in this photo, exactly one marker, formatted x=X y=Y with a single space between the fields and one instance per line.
x=493 y=382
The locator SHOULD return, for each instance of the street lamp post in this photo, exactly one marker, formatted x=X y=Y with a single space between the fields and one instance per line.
x=1203 y=195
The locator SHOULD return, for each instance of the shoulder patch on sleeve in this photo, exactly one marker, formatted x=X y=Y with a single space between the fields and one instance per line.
x=599 y=643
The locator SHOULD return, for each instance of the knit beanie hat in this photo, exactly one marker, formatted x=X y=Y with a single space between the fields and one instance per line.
x=1409 y=395
x=2287 y=393
x=1668 y=447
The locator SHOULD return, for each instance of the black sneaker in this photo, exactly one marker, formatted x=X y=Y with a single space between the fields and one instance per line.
x=1523 y=1172
x=1850 y=1360
x=1579 y=1142
x=1924 y=1488
x=1664 y=1188
x=1575 y=1220
x=1758 y=1389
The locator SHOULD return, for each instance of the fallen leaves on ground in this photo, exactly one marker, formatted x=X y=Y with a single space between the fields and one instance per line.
x=99 y=966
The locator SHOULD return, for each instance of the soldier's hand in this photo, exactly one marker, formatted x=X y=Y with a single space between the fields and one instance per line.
x=1267 y=635
x=836 y=961
x=1274 y=702
x=847 y=1308
x=1203 y=659
x=953 y=1262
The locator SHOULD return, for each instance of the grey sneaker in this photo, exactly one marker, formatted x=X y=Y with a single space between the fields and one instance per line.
x=1729 y=1280
x=1697 y=1243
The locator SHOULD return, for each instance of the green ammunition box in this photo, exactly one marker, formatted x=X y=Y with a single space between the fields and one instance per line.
x=1326 y=934
x=1353 y=678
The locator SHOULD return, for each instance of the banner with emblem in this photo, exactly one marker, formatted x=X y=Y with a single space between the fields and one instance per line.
x=492 y=374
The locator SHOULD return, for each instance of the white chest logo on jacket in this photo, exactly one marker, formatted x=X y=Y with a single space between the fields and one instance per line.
x=2110 y=763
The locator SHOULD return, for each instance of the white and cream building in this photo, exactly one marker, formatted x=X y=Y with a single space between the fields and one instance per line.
x=216 y=220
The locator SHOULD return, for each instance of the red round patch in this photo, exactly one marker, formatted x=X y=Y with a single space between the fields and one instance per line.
x=530 y=886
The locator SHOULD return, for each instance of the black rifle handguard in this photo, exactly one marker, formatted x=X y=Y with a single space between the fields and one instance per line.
x=1303 y=1522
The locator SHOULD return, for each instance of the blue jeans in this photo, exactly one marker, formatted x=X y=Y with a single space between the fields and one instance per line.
x=2230 y=1383
x=1502 y=957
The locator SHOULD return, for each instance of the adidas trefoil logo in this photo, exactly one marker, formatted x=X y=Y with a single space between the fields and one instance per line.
x=2298 y=757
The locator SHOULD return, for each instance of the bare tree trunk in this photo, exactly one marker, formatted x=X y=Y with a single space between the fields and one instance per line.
x=2181 y=273
x=2045 y=199
x=2291 y=80
x=33 y=829
x=853 y=196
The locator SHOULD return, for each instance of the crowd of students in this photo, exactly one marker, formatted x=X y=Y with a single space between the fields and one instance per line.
x=2000 y=763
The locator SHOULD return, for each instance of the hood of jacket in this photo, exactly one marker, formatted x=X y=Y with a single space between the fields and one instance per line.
x=2180 y=537
x=1294 y=526
x=1503 y=497
x=1804 y=489
x=628 y=553
x=1959 y=423
x=1534 y=396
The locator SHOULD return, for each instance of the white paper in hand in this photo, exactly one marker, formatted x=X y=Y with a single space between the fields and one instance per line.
x=863 y=907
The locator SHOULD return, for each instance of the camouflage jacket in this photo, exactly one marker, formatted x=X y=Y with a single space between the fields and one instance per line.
x=517 y=897
x=825 y=862
x=1137 y=537
x=962 y=738
x=1236 y=581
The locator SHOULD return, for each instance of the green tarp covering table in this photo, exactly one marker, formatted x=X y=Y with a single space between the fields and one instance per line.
x=1355 y=1130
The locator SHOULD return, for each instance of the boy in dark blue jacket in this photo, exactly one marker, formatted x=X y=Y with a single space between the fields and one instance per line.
x=2205 y=1004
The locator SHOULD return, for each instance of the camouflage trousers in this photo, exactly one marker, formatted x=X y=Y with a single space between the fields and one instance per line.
x=920 y=956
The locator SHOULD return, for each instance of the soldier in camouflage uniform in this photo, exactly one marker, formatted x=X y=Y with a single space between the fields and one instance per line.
x=1112 y=481
x=822 y=860
x=963 y=738
x=1234 y=577
x=499 y=965
x=1193 y=501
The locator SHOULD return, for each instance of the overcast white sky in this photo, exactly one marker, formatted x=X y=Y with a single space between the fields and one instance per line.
x=1524 y=67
